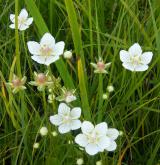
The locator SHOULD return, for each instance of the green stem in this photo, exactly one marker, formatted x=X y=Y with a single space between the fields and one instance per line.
x=25 y=49
x=17 y=40
x=100 y=93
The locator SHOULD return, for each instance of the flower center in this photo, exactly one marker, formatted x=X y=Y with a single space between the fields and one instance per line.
x=135 y=60
x=93 y=138
x=45 y=50
x=16 y=82
x=100 y=65
x=66 y=119
x=41 y=78
x=21 y=21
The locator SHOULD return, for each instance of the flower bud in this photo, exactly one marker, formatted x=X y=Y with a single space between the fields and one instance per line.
x=110 y=88
x=67 y=54
x=36 y=145
x=79 y=161
x=43 y=131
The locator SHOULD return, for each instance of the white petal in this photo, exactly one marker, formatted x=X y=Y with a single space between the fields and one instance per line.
x=135 y=49
x=92 y=149
x=128 y=66
x=104 y=142
x=87 y=127
x=124 y=56
x=75 y=124
x=141 y=68
x=39 y=59
x=112 y=146
x=34 y=47
x=76 y=113
x=146 y=57
x=29 y=21
x=113 y=133
x=50 y=59
x=56 y=119
x=23 y=27
x=81 y=139
x=59 y=48
x=64 y=128
x=70 y=98
x=101 y=128
x=12 y=18
x=23 y=14
x=12 y=26
x=63 y=109
x=47 y=39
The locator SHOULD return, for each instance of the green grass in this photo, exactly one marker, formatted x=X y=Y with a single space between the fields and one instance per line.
x=92 y=29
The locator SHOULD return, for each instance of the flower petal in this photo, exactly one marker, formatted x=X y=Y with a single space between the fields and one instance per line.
x=34 y=47
x=29 y=21
x=92 y=149
x=47 y=39
x=141 y=68
x=146 y=57
x=81 y=139
x=112 y=133
x=59 y=48
x=76 y=113
x=12 y=18
x=23 y=14
x=101 y=128
x=23 y=27
x=50 y=59
x=124 y=56
x=56 y=119
x=112 y=146
x=104 y=142
x=63 y=109
x=128 y=66
x=70 y=98
x=12 y=26
x=87 y=127
x=39 y=59
x=75 y=124
x=135 y=49
x=64 y=128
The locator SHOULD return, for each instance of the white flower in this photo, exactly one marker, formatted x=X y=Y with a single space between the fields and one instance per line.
x=99 y=162
x=134 y=59
x=112 y=133
x=79 y=161
x=93 y=139
x=66 y=118
x=110 y=88
x=23 y=21
x=67 y=54
x=43 y=131
x=36 y=145
x=47 y=51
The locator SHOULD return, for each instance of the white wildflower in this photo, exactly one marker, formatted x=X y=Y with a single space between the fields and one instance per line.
x=47 y=51
x=23 y=21
x=134 y=59
x=66 y=119
x=93 y=139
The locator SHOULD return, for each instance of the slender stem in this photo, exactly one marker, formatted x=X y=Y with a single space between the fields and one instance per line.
x=100 y=93
x=17 y=40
